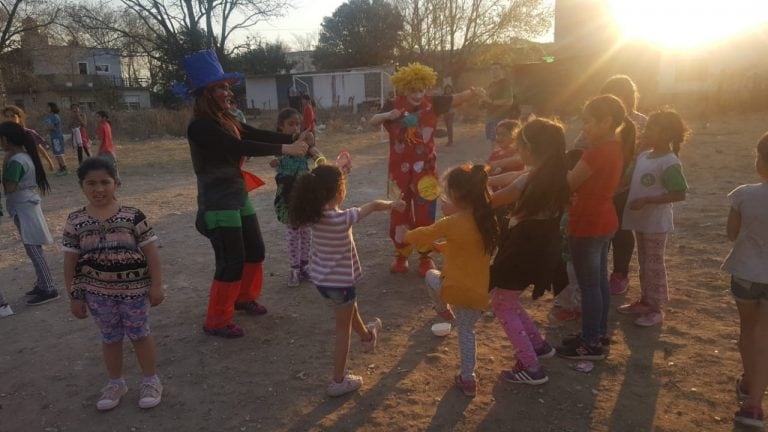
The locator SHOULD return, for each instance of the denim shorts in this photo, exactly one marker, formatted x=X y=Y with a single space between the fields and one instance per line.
x=745 y=290
x=57 y=144
x=117 y=318
x=338 y=296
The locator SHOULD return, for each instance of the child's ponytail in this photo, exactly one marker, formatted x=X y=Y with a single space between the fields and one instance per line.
x=469 y=184
x=18 y=137
x=311 y=192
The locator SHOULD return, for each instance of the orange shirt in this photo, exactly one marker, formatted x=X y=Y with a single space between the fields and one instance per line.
x=592 y=213
x=105 y=136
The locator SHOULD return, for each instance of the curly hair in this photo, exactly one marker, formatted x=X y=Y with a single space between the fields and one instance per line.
x=415 y=76
x=311 y=192
x=468 y=184
x=671 y=126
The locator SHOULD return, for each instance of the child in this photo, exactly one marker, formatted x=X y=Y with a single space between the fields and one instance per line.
x=470 y=233
x=24 y=181
x=504 y=156
x=530 y=252
x=593 y=220
x=288 y=169
x=77 y=125
x=568 y=302
x=104 y=133
x=57 y=137
x=308 y=116
x=334 y=265
x=749 y=285
x=657 y=182
x=17 y=115
x=112 y=270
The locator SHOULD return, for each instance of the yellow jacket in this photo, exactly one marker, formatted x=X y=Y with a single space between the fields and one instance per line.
x=466 y=267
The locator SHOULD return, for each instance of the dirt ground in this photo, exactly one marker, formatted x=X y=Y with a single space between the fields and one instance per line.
x=675 y=378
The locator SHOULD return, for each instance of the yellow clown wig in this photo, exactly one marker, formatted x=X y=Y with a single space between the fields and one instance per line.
x=415 y=76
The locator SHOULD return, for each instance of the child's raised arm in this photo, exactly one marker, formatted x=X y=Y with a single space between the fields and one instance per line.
x=379 y=205
x=380 y=118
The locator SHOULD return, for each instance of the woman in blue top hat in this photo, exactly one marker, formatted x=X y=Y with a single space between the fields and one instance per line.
x=219 y=143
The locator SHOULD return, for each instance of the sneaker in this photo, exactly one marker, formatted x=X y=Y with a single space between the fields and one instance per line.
x=619 y=284
x=304 y=273
x=749 y=416
x=110 y=396
x=5 y=310
x=33 y=292
x=521 y=375
x=61 y=172
x=425 y=264
x=581 y=351
x=251 y=308
x=399 y=265
x=545 y=351
x=374 y=327
x=566 y=315
x=650 y=319
x=637 y=307
x=43 y=298
x=349 y=384
x=151 y=394
x=294 y=278
x=468 y=387
x=447 y=315
x=575 y=338
x=229 y=331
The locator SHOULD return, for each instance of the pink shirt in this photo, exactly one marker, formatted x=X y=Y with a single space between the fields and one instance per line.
x=333 y=257
x=105 y=136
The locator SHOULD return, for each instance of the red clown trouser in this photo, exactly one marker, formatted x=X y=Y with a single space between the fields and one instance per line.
x=418 y=213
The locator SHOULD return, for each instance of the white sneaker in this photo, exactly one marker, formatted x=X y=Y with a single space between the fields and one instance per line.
x=5 y=310
x=151 y=394
x=374 y=327
x=294 y=278
x=110 y=396
x=349 y=384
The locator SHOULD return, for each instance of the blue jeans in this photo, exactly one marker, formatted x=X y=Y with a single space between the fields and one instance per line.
x=590 y=260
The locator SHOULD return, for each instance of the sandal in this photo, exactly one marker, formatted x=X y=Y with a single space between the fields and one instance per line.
x=230 y=331
x=251 y=308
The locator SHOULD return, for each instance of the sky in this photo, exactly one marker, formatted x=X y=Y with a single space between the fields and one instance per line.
x=305 y=17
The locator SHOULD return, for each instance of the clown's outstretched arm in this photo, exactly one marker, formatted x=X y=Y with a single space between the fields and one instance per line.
x=474 y=93
x=380 y=118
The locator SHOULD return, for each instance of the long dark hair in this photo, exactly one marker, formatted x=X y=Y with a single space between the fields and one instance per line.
x=206 y=107
x=610 y=106
x=311 y=192
x=16 y=136
x=623 y=88
x=546 y=190
x=671 y=127
x=468 y=184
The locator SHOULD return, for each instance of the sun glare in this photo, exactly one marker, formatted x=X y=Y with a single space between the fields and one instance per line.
x=687 y=24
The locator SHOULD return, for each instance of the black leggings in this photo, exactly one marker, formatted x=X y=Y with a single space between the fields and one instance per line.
x=623 y=241
x=235 y=246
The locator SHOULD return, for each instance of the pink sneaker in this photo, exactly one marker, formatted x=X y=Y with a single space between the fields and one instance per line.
x=637 y=307
x=619 y=283
x=650 y=319
x=468 y=387
x=566 y=315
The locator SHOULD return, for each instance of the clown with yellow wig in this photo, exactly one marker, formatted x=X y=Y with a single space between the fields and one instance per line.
x=410 y=120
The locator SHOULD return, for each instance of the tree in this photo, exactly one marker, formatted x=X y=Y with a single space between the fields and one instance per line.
x=451 y=31
x=359 y=33
x=261 y=58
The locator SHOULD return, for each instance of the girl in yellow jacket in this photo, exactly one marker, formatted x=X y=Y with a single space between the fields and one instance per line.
x=468 y=237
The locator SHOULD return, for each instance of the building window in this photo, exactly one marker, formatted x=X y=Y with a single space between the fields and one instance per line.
x=82 y=68
x=102 y=68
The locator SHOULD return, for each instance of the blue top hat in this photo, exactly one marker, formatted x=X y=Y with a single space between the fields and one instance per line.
x=203 y=68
